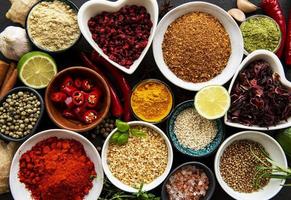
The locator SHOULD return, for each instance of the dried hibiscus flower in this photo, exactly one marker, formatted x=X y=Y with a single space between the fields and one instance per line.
x=258 y=97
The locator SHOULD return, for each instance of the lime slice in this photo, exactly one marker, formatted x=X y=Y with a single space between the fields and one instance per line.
x=36 y=69
x=212 y=102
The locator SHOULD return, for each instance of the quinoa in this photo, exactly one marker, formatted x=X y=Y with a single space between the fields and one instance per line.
x=194 y=131
x=196 y=47
x=139 y=161
x=238 y=166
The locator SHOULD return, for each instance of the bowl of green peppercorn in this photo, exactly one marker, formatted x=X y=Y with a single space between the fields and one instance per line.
x=20 y=113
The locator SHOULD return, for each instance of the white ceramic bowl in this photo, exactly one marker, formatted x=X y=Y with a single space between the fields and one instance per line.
x=93 y=7
x=146 y=187
x=230 y=26
x=18 y=189
x=276 y=153
x=277 y=67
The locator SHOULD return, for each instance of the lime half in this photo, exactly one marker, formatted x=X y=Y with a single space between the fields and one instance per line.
x=212 y=102
x=36 y=69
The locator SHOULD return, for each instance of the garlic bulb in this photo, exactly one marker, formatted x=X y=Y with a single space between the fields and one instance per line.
x=19 y=10
x=14 y=42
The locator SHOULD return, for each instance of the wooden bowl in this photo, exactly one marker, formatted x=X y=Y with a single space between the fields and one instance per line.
x=55 y=112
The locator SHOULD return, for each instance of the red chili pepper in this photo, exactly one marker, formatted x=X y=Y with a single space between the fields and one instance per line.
x=122 y=82
x=274 y=10
x=89 y=116
x=288 y=41
x=69 y=114
x=87 y=85
x=58 y=97
x=69 y=102
x=69 y=90
x=78 y=98
x=79 y=111
x=78 y=83
x=93 y=98
x=115 y=107
x=68 y=81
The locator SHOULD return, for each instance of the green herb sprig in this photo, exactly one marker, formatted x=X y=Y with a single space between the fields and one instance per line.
x=110 y=192
x=265 y=171
x=123 y=132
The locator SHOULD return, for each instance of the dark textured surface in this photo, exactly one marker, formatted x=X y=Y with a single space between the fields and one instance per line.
x=148 y=69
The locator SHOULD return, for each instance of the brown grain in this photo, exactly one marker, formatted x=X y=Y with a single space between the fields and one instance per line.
x=196 y=47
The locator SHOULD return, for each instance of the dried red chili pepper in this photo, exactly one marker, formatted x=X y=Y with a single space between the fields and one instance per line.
x=69 y=102
x=274 y=10
x=57 y=169
x=115 y=107
x=122 y=82
x=89 y=116
x=78 y=83
x=58 y=97
x=87 y=85
x=78 y=98
x=69 y=114
x=288 y=41
x=93 y=98
x=69 y=90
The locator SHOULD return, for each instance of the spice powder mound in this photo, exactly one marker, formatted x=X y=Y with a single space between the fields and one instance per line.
x=53 y=25
x=196 y=47
x=238 y=166
x=141 y=160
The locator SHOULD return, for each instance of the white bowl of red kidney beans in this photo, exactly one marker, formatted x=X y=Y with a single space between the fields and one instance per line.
x=260 y=94
x=121 y=31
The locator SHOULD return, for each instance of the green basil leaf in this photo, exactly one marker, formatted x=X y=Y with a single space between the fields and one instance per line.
x=122 y=126
x=115 y=136
x=137 y=133
x=122 y=139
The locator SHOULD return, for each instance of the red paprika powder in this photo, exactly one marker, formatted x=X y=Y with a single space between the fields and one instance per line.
x=57 y=169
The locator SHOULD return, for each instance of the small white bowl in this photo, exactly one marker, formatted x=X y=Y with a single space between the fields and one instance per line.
x=231 y=27
x=146 y=187
x=276 y=153
x=277 y=67
x=18 y=189
x=93 y=7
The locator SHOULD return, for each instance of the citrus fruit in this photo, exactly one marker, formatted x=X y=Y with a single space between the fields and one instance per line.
x=212 y=102
x=36 y=69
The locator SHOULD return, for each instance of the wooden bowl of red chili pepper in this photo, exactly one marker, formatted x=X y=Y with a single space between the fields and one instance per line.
x=77 y=99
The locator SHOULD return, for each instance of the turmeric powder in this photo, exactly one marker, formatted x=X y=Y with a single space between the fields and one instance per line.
x=151 y=101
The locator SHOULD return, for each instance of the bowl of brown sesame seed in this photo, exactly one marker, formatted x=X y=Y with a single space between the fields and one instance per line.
x=191 y=134
x=140 y=162
x=237 y=162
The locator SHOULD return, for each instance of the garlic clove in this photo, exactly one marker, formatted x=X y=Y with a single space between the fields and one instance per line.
x=237 y=14
x=246 y=6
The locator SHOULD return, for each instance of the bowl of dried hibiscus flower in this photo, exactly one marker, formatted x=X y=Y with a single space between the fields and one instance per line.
x=260 y=94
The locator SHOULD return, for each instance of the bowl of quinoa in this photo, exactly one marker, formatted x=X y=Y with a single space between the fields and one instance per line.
x=236 y=165
x=191 y=180
x=191 y=134
x=52 y=25
x=142 y=161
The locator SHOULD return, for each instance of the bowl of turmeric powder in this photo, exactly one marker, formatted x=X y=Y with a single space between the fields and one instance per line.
x=151 y=101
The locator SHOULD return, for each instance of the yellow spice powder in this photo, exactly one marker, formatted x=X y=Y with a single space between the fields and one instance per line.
x=151 y=101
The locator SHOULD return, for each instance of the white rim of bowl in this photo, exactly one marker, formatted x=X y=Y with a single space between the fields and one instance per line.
x=157 y=181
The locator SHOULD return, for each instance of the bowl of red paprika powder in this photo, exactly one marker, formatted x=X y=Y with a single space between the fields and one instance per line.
x=56 y=164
